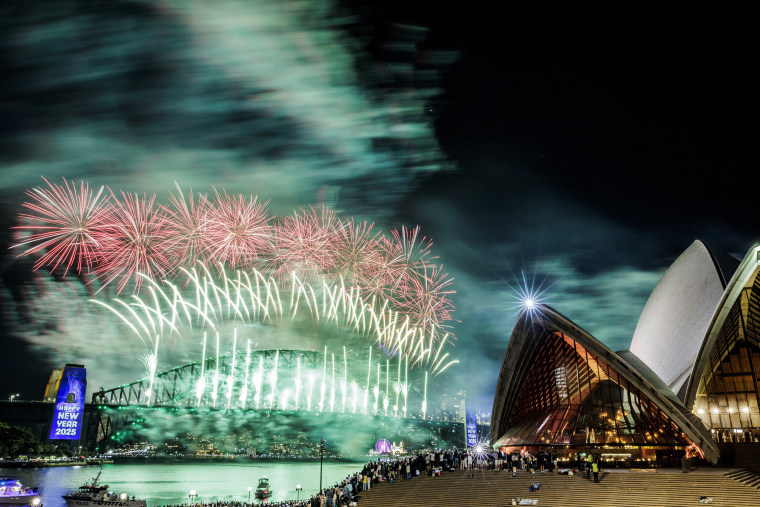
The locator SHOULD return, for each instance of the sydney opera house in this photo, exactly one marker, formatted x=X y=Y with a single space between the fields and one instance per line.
x=690 y=382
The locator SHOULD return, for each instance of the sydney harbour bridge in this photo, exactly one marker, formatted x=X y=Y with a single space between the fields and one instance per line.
x=269 y=394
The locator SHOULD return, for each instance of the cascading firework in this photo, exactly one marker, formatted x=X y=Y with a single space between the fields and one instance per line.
x=212 y=302
x=263 y=380
x=209 y=301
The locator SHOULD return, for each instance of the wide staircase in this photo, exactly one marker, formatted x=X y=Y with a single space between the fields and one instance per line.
x=664 y=488
x=747 y=476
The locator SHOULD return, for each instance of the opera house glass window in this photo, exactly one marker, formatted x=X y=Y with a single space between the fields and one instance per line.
x=729 y=386
x=570 y=396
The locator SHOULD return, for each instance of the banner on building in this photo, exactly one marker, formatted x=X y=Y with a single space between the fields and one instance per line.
x=69 y=405
x=471 y=429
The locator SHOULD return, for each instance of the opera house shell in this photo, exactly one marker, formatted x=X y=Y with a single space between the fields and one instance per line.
x=691 y=378
x=674 y=321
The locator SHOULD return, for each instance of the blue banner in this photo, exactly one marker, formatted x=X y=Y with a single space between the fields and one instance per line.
x=471 y=429
x=69 y=405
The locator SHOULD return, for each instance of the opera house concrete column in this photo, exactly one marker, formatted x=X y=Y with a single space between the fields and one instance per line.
x=724 y=390
x=559 y=386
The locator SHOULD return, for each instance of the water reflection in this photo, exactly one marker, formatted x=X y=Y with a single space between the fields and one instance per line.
x=170 y=483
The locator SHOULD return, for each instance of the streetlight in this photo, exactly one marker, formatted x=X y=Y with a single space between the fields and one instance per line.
x=298 y=492
x=14 y=396
x=192 y=495
x=321 y=454
x=249 y=493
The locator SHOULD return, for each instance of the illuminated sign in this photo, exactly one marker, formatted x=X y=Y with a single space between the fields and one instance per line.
x=383 y=446
x=471 y=429
x=69 y=405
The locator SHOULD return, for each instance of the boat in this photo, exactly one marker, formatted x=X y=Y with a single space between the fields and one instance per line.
x=99 y=461
x=92 y=494
x=12 y=492
x=263 y=490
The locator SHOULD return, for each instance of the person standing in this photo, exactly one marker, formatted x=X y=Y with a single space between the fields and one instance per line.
x=595 y=469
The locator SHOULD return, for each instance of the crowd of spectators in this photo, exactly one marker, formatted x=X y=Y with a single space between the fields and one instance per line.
x=433 y=463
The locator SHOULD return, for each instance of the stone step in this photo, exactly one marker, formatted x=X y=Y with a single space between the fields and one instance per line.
x=616 y=489
x=746 y=476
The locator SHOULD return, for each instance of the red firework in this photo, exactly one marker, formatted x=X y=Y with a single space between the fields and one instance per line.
x=307 y=244
x=63 y=224
x=407 y=254
x=357 y=252
x=237 y=230
x=184 y=227
x=380 y=277
x=427 y=300
x=131 y=243
x=72 y=226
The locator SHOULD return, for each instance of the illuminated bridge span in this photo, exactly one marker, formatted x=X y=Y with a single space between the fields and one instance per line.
x=287 y=380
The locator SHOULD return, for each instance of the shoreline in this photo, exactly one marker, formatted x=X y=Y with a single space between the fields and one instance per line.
x=128 y=460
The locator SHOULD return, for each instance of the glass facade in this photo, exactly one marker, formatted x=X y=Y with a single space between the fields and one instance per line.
x=571 y=396
x=728 y=396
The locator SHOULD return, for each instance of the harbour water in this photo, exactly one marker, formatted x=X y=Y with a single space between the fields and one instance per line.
x=170 y=483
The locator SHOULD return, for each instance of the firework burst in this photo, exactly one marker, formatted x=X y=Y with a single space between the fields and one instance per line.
x=184 y=227
x=75 y=228
x=130 y=243
x=63 y=224
x=408 y=254
x=427 y=299
x=307 y=243
x=237 y=230
x=357 y=252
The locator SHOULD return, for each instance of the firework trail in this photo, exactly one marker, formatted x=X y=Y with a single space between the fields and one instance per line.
x=62 y=225
x=166 y=389
x=244 y=390
x=151 y=364
x=200 y=387
x=212 y=300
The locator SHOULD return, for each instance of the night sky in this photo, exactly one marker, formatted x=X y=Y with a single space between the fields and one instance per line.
x=587 y=157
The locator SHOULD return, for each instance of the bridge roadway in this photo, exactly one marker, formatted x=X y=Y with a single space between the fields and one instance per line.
x=617 y=488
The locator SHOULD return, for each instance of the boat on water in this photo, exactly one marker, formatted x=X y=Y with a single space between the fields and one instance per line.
x=12 y=492
x=99 y=461
x=263 y=490
x=92 y=494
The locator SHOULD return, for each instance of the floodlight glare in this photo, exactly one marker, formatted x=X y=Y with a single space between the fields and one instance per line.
x=479 y=449
x=530 y=304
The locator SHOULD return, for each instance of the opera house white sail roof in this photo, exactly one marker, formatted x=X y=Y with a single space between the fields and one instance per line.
x=677 y=314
